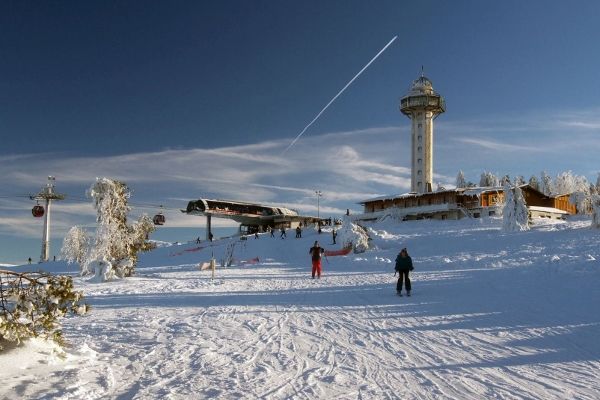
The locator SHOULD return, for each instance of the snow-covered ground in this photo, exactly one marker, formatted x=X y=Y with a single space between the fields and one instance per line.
x=493 y=315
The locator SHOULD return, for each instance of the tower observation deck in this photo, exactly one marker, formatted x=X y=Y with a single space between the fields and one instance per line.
x=422 y=105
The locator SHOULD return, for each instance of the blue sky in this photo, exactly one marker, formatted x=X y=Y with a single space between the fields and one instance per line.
x=183 y=100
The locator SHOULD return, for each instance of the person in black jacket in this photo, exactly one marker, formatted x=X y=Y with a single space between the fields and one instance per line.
x=403 y=266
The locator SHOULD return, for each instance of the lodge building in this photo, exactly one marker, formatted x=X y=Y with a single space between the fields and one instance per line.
x=475 y=202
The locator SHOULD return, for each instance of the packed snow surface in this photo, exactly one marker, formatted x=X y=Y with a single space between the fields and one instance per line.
x=492 y=315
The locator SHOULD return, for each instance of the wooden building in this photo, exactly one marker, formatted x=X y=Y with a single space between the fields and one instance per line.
x=458 y=203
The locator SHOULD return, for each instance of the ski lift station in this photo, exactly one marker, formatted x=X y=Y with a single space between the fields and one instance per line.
x=252 y=217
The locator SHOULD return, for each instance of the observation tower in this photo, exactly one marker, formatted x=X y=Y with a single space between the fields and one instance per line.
x=422 y=105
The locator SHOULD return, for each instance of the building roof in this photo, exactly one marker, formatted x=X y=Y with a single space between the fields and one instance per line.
x=472 y=191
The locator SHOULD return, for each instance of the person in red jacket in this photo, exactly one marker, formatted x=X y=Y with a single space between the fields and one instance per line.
x=316 y=252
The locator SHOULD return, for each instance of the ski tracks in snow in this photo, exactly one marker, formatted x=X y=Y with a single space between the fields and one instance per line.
x=270 y=332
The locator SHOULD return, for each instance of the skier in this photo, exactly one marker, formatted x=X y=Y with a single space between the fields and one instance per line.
x=298 y=232
x=283 y=234
x=403 y=266
x=316 y=252
x=334 y=234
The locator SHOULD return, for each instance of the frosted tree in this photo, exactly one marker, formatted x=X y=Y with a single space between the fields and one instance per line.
x=545 y=184
x=460 y=180
x=116 y=244
x=564 y=183
x=534 y=183
x=580 y=194
x=488 y=180
x=505 y=180
x=32 y=304
x=582 y=201
x=515 y=216
x=595 y=211
x=598 y=184
x=75 y=247
x=519 y=180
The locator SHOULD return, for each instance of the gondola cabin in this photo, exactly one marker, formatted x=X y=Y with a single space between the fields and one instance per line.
x=159 y=219
x=37 y=211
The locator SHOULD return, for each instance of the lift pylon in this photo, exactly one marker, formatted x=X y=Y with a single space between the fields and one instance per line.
x=48 y=195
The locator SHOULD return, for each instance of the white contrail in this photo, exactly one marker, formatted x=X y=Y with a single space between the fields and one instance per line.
x=339 y=93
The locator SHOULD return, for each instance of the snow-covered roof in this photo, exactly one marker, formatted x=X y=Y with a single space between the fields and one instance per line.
x=473 y=191
x=477 y=191
x=547 y=209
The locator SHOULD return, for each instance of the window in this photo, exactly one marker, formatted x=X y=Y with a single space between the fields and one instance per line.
x=476 y=215
x=420 y=126
x=420 y=138
x=419 y=173
x=419 y=161
x=419 y=149
x=492 y=213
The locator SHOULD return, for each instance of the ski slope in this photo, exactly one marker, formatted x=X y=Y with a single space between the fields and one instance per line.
x=493 y=315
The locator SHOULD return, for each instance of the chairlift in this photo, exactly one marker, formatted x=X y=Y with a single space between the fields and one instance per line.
x=159 y=219
x=37 y=211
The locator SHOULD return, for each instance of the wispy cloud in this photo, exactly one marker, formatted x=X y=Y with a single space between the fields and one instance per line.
x=172 y=177
x=347 y=166
x=497 y=146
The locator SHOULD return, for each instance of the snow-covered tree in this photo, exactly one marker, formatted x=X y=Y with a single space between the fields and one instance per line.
x=595 y=211
x=545 y=184
x=534 y=183
x=32 y=303
x=515 y=216
x=581 y=200
x=75 y=247
x=460 y=180
x=488 y=180
x=505 y=180
x=116 y=244
x=577 y=187
x=567 y=183
x=564 y=183
x=519 y=180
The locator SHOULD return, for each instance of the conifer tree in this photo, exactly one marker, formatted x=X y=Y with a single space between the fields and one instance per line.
x=515 y=215
x=534 y=183
x=595 y=211
x=545 y=183
x=460 y=180
x=32 y=303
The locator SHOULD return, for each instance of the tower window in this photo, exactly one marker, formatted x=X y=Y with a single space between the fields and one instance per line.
x=419 y=161
x=420 y=138
x=419 y=172
x=420 y=126
x=419 y=149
